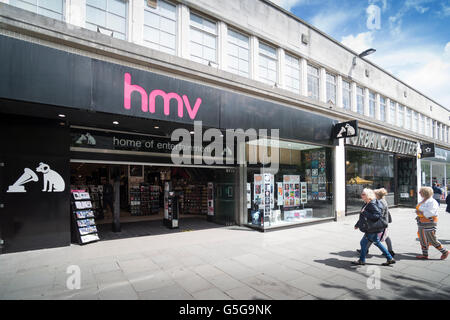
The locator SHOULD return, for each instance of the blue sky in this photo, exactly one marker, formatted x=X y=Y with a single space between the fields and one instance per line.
x=412 y=38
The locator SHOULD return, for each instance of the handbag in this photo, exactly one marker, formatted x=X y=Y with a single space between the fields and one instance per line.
x=376 y=226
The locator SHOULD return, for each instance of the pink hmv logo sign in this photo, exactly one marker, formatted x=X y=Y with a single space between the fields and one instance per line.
x=148 y=101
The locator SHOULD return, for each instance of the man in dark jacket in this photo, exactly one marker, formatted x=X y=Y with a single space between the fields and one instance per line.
x=437 y=193
x=369 y=223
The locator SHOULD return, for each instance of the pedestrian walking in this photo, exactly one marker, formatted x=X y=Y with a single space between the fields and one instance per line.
x=386 y=215
x=437 y=192
x=427 y=218
x=371 y=223
x=447 y=201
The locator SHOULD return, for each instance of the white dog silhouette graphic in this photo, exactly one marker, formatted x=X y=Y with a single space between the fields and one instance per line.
x=53 y=182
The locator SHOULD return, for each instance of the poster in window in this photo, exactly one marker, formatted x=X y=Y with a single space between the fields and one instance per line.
x=291 y=190
x=280 y=193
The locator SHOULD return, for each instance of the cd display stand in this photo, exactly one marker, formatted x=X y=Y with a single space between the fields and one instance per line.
x=83 y=218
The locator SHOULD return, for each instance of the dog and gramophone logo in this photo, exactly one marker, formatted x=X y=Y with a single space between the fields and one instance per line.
x=52 y=180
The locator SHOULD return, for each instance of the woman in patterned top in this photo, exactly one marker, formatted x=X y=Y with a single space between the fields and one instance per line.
x=427 y=218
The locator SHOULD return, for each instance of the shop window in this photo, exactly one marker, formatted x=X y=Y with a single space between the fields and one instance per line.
x=53 y=9
x=238 y=53
x=346 y=95
x=108 y=16
x=267 y=64
x=313 y=82
x=393 y=109
x=292 y=71
x=160 y=27
x=366 y=169
x=425 y=178
x=371 y=104
x=203 y=39
x=382 y=109
x=360 y=100
x=331 y=88
x=299 y=191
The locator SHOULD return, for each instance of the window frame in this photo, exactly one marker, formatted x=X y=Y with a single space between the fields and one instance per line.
x=400 y=111
x=383 y=104
x=63 y=12
x=176 y=49
x=228 y=68
x=372 y=103
x=349 y=94
x=266 y=56
x=216 y=35
x=127 y=12
x=393 y=112
x=359 y=88
x=408 y=115
x=332 y=84
x=299 y=73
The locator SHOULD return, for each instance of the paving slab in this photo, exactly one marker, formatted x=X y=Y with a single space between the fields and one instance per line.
x=309 y=262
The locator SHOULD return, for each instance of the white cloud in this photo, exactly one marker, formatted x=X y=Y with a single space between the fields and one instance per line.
x=447 y=51
x=395 y=22
x=287 y=4
x=425 y=68
x=329 y=22
x=360 y=42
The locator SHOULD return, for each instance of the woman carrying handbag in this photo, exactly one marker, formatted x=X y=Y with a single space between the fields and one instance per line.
x=371 y=223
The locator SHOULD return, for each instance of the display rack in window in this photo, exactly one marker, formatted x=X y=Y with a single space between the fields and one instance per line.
x=83 y=218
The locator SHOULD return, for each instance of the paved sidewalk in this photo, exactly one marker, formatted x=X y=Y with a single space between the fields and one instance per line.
x=310 y=262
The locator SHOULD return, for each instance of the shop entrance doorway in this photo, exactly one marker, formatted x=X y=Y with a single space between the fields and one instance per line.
x=406 y=181
x=206 y=196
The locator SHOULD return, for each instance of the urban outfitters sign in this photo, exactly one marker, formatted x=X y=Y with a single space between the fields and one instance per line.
x=377 y=141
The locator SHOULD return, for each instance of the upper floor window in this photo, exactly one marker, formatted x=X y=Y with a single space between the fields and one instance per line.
x=415 y=123
x=49 y=8
x=433 y=129
x=238 y=53
x=292 y=78
x=110 y=15
x=360 y=100
x=382 y=109
x=203 y=39
x=331 y=88
x=393 y=109
x=346 y=95
x=400 y=115
x=372 y=104
x=439 y=134
x=422 y=124
x=160 y=27
x=313 y=82
x=267 y=64
x=446 y=134
x=428 y=129
x=408 y=119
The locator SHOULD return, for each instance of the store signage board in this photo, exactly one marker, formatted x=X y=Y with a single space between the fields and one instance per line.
x=378 y=141
x=345 y=129
x=428 y=150
x=103 y=140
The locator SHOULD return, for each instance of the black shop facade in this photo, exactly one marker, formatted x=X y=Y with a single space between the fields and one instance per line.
x=72 y=127
x=377 y=160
